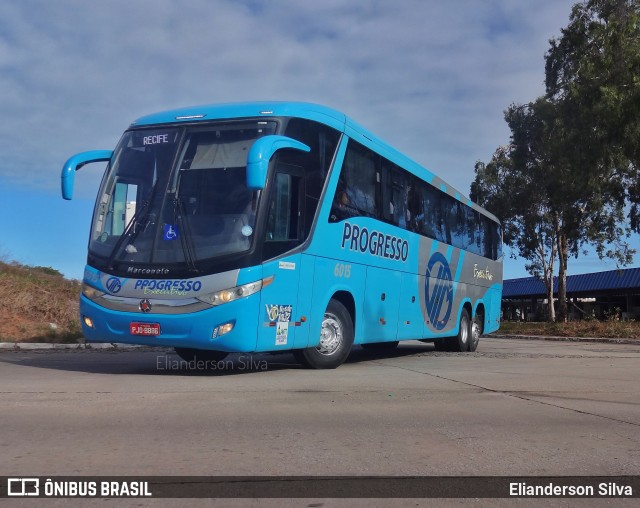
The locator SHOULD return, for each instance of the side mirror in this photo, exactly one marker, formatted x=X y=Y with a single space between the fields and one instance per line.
x=260 y=154
x=75 y=163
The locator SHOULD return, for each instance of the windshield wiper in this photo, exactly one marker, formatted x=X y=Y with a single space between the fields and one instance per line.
x=131 y=233
x=185 y=237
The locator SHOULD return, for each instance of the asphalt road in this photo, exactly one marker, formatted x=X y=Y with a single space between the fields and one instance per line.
x=513 y=408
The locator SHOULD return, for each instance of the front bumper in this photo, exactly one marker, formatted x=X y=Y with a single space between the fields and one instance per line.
x=188 y=330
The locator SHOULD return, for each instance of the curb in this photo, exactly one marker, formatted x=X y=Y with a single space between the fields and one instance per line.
x=567 y=339
x=34 y=346
x=117 y=346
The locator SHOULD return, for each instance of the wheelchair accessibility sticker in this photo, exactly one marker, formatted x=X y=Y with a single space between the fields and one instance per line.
x=170 y=232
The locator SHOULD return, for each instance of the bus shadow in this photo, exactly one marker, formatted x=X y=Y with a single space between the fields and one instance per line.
x=167 y=363
x=147 y=363
x=359 y=354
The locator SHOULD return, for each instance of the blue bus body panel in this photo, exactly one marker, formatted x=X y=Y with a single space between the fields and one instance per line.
x=398 y=299
x=328 y=279
x=279 y=311
x=410 y=317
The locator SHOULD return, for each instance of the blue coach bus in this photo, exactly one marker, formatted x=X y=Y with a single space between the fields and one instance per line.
x=260 y=227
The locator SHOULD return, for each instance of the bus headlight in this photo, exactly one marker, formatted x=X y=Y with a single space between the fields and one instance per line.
x=90 y=292
x=231 y=294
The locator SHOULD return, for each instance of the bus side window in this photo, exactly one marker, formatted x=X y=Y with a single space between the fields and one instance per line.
x=285 y=219
x=282 y=224
x=477 y=238
x=357 y=192
x=492 y=240
x=323 y=141
x=395 y=194
x=415 y=215
x=496 y=240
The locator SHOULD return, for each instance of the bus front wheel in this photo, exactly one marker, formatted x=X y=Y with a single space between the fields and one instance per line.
x=336 y=339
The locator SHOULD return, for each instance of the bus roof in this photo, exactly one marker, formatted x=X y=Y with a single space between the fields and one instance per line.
x=310 y=111
x=203 y=113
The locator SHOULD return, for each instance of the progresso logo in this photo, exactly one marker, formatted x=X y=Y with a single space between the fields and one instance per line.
x=438 y=291
x=113 y=285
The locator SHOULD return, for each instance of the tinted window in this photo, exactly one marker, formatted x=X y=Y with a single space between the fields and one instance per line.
x=323 y=142
x=356 y=194
x=282 y=224
x=395 y=194
x=285 y=219
x=410 y=203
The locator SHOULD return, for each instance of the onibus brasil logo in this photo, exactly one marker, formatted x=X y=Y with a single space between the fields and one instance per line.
x=438 y=291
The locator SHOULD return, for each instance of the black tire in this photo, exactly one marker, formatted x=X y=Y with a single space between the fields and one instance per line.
x=380 y=347
x=197 y=355
x=477 y=327
x=336 y=339
x=442 y=344
x=460 y=343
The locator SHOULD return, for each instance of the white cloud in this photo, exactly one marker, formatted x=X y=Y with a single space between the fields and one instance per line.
x=430 y=77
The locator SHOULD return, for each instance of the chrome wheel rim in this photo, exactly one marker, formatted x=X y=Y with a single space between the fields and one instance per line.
x=331 y=335
x=475 y=332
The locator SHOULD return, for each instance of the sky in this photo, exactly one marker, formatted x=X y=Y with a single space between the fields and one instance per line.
x=430 y=77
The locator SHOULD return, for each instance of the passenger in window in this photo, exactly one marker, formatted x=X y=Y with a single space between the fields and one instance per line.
x=413 y=209
x=402 y=220
x=343 y=199
x=342 y=208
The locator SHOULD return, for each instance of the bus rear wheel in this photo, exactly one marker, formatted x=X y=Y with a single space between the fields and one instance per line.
x=476 y=331
x=460 y=343
x=199 y=355
x=336 y=339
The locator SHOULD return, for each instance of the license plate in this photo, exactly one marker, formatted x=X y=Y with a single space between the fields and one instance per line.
x=148 y=329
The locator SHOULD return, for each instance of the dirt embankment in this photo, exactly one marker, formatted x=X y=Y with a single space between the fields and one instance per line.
x=37 y=304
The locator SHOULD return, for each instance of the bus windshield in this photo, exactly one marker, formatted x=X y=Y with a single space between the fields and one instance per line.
x=177 y=196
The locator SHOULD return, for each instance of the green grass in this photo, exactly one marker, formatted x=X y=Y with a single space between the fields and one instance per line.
x=597 y=329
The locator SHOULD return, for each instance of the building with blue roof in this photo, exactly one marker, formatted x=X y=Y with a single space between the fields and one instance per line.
x=600 y=294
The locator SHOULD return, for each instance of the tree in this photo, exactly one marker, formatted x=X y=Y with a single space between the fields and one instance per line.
x=534 y=153
x=524 y=218
x=552 y=200
x=515 y=186
x=593 y=80
x=570 y=176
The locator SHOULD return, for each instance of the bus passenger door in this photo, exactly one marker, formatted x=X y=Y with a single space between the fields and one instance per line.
x=381 y=301
x=284 y=231
x=410 y=320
